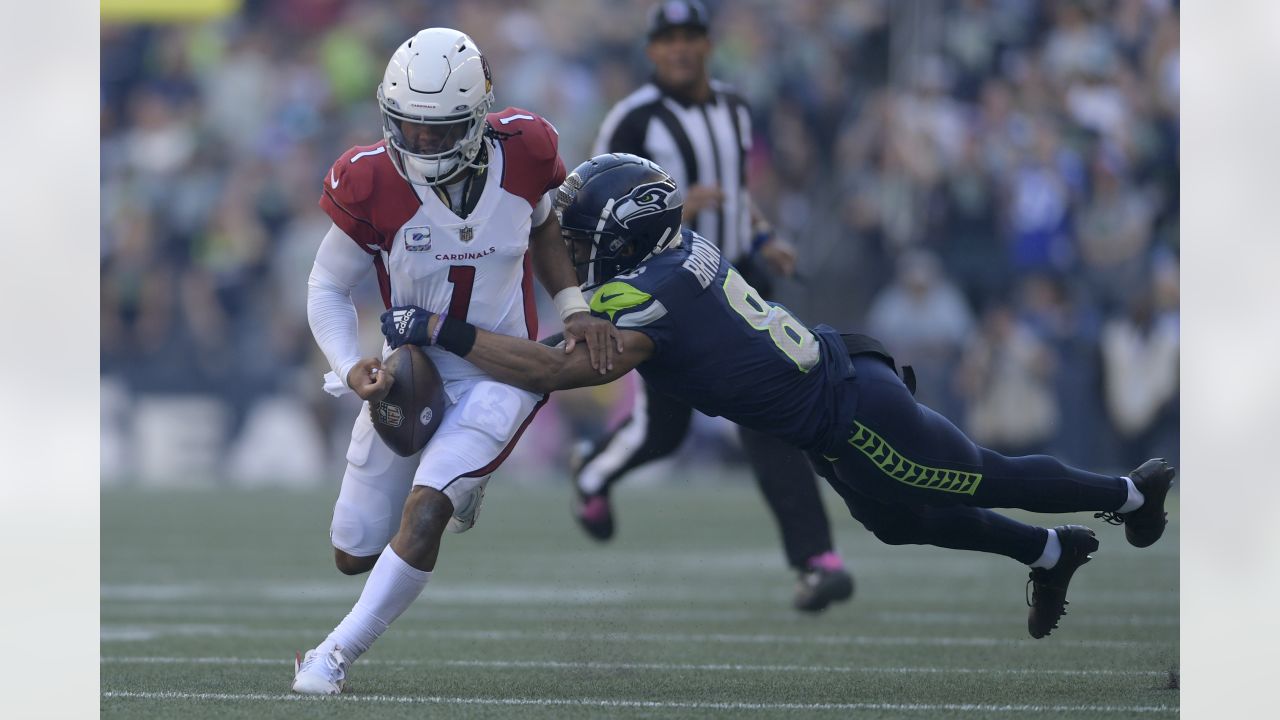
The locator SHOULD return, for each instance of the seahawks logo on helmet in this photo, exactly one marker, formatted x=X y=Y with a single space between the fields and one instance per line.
x=644 y=200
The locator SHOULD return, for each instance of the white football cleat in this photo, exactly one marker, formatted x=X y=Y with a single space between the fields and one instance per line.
x=318 y=673
x=464 y=517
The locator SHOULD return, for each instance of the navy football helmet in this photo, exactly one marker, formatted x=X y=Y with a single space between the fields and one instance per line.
x=616 y=211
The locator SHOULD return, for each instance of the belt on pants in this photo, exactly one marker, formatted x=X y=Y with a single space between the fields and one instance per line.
x=859 y=344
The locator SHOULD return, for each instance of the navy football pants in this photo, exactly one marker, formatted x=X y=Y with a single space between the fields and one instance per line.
x=912 y=477
x=781 y=472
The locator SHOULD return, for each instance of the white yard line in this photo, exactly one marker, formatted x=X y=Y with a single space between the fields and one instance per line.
x=604 y=703
x=143 y=632
x=321 y=591
x=535 y=593
x=585 y=665
x=967 y=618
x=432 y=609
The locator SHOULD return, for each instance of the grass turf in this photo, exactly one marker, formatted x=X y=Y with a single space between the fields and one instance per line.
x=207 y=593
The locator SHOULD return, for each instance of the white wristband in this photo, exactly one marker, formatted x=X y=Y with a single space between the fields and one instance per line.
x=570 y=301
x=343 y=370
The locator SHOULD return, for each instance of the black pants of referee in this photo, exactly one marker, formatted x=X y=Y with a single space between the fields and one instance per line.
x=658 y=427
x=912 y=477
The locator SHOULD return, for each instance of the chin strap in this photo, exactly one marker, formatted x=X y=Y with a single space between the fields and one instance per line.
x=662 y=246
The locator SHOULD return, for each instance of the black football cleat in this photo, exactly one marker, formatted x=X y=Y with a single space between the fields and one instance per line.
x=1048 y=587
x=1144 y=526
x=820 y=587
x=594 y=515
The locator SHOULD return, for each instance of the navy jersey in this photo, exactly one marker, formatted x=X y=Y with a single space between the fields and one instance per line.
x=722 y=349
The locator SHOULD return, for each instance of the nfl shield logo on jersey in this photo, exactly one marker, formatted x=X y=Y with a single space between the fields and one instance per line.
x=466 y=234
x=417 y=239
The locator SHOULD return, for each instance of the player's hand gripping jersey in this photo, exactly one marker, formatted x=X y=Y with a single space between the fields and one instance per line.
x=764 y=369
x=476 y=267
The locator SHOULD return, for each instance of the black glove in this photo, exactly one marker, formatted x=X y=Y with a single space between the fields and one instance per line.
x=406 y=325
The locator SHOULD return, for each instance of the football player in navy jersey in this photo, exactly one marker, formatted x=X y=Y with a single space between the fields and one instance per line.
x=694 y=328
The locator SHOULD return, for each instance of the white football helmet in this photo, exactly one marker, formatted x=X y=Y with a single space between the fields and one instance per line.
x=434 y=97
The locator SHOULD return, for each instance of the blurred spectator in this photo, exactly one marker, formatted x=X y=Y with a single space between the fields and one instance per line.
x=967 y=227
x=1140 y=361
x=924 y=321
x=1114 y=230
x=1005 y=380
x=1040 y=203
x=1077 y=43
x=1069 y=327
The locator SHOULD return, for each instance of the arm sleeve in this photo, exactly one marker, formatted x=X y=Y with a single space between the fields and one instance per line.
x=339 y=267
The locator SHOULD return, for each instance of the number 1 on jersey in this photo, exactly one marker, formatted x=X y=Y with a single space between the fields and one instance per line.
x=517 y=116
x=463 y=278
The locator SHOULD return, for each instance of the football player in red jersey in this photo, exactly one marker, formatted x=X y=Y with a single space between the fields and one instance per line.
x=451 y=211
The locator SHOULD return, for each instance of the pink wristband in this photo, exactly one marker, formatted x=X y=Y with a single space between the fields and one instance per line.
x=439 y=324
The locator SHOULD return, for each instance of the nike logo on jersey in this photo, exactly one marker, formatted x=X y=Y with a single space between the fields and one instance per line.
x=333 y=181
x=607 y=298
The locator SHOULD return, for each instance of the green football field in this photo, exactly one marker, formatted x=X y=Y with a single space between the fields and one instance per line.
x=206 y=594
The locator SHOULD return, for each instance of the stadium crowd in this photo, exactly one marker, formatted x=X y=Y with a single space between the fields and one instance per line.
x=990 y=186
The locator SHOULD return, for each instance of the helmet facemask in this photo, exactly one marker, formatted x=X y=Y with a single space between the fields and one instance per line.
x=598 y=256
x=439 y=153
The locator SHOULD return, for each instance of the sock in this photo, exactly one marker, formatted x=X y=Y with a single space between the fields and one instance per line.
x=829 y=561
x=392 y=586
x=1052 y=551
x=1134 y=500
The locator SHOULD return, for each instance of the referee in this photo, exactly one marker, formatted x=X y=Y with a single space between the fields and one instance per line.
x=699 y=131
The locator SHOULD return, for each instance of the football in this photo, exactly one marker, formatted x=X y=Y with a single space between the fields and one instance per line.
x=410 y=413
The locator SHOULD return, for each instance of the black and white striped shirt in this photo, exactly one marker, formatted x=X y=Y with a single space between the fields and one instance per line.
x=697 y=144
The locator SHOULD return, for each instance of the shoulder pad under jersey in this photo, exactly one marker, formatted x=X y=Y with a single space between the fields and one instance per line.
x=531 y=147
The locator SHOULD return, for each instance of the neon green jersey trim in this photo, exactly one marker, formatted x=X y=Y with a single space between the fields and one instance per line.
x=892 y=463
x=612 y=298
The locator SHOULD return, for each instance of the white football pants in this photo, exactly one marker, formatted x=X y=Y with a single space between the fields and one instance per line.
x=478 y=431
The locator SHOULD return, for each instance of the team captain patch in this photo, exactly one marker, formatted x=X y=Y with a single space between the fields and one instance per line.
x=417 y=239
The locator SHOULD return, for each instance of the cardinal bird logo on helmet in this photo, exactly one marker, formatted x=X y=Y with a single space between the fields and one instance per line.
x=644 y=200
